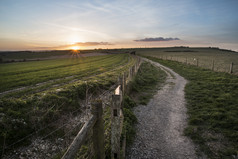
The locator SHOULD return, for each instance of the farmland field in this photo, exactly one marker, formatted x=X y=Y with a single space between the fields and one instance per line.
x=36 y=96
x=204 y=57
x=14 y=75
x=13 y=56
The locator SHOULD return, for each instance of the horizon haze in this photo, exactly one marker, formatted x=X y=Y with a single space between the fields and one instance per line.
x=58 y=25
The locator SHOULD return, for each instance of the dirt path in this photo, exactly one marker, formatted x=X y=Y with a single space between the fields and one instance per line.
x=161 y=123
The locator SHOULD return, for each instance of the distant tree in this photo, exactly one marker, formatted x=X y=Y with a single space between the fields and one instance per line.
x=133 y=52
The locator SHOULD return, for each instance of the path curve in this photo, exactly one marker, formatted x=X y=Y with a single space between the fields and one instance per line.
x=159 y=132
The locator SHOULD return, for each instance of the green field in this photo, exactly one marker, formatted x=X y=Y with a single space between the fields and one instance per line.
x=14 y=75
x=21 y=55
x=50 y=91
x=212 y=105
x=11 y=56
x=36 y=95
x=204 y=56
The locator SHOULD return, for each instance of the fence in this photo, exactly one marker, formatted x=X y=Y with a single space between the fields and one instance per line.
x=218 y=65
x=95 y=122
x=49 y=139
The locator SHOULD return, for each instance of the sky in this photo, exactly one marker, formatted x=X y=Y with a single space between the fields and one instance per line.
x=89 y=24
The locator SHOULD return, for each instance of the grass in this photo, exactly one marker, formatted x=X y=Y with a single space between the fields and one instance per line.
x=15 y=75
x=212 y=105
x=107 y=131
x=30 y=55
x=205 y=57
x=9 y=55
x=29 y=113
x=65 y=82
x=145 y=83
x=140 y=90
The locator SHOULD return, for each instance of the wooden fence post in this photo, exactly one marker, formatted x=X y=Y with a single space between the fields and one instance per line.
x=79 y=139
x=137 y=64
x=212 y=65
x=115 y=126
x=133 y=71
x=129 y=74
x=124 y=81
x=231 y=68
x=121 y=82
x=124 y=147
x=98 y=130
x=140 y=61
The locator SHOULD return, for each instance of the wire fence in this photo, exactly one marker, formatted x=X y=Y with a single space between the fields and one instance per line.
x=55 y=136
x=216 y=64
x=35 y=135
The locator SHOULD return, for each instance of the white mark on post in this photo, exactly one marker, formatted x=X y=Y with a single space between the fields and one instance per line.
x=117 y=91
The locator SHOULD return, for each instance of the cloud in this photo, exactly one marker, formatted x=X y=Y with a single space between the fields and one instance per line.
x=156 y=39
x=91 y=43
x=86 y=44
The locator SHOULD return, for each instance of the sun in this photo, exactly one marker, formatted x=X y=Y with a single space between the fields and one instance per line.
x=75 y=48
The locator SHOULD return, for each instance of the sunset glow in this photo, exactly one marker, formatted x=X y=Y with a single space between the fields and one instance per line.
x=122 y=24
x=75 y=48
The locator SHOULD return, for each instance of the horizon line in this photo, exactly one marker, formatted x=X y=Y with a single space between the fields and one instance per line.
x=117 y=48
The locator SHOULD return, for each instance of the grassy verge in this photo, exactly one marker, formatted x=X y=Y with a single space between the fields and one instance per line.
x=145 y=83
x=140 y=91
x=212 y=109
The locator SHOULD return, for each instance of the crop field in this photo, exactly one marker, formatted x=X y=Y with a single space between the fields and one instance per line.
x=37 y=96
x=16 y=75
x=210 y=58
x=22 y=56
x=27 y=55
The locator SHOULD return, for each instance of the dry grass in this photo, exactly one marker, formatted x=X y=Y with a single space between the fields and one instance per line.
x=205 y=57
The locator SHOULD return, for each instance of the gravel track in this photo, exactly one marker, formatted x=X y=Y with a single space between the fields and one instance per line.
x=159 y=132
